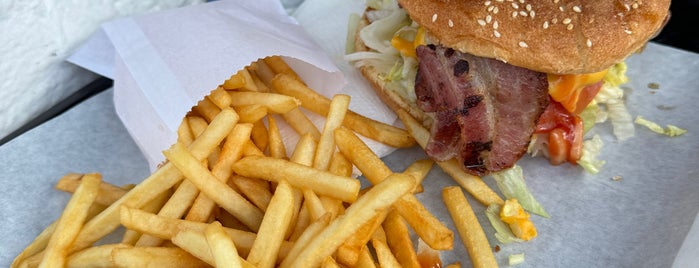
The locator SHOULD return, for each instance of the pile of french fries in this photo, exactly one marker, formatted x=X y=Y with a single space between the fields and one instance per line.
x=230 y=195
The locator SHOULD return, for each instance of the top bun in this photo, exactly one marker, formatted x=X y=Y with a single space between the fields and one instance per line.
x=551 y=36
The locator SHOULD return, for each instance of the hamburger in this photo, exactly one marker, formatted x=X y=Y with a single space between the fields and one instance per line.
x=495 y=79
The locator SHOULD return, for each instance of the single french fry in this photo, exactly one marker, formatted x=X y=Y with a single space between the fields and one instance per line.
x=195 y=243
x=249 y=148
x=302 y=222
x=262 y=71
x=260 y=136
x=365 y=259
x=473 y=184
x=326 y=144
x=383 y=252
x=223 y=195
x=278 y=65
x=108 y=193
x=313 y=204
x=301 y=123
x=469 y=228
x=275 y=103
x=207 y=109
x=71 y=221
x=426 y=225
x=309 y=233
x=155 y=257
x=419 y=170
x=222 y=246
x=340 y=165
x=276 y=143
x=261 y=86
x=302 y=154
x=251 y=113
x=167 y=228
x=259 y=195
x=220 y=97
x=321 y=182
x=97 y=256
x=348 y=253
x=184 y=135
x=398 y=239
x=273 y=228
x=379 y=198
x=232 y=151
x=198 y=124
x=131 y=237
x=319 y=104
x=236 y=81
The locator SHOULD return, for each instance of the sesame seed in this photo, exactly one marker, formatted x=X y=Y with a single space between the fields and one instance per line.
x=628 y=31
x=514 y=14
x=496 y=33
x=577 y=9
x=490 y=8
x=515 y=5
x=487 y=3
x=546 y=24
x=523 y=13
x=451 y=23
x=495 y=25
x=627 y=6
x=531 y=14
x=566 y=20
x=529 y=7
x=570 y=27
x=434 y=17
x=522 y=44
x=521 y=1
x=495 y=10
x=488 y=18
x=561 y=8
x=500 y=1
x=635 y=5
x=589 y=43
x=481 y=22
x=554 y=20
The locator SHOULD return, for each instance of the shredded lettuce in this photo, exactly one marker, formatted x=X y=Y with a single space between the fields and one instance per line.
x=612 y=97
x=378 y=34
x=502 y=231
x=511 y=184
x=352 y=25
x=591 y=150
x=515 y=259
x=670 y=130
x=382 y=4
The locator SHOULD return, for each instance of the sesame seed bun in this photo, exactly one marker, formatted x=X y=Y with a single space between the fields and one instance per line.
x=552 y=36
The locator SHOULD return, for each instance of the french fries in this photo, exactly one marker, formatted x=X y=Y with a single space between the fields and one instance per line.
x=229 y=196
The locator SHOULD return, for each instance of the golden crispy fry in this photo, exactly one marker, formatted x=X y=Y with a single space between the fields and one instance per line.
x=321 y=182
x=249 y=148
x=302 y=222
x=379 y=198
x=473 y=184
x=383 y=252
x=155 y=257
x=275 y=103
x=269 y=239
x=326 y=144
x=426 y=225
x=276 y=143
x=198 y=124
x=261 y=86
x=108 y=193
x=220 y=97
x=319 y=104
x=251 y=113
x=309 y=233
x=348 y=253
x=302 y=154
x=221 y=246
x=251 y=188
x=419 y=169
x=242 y=80
x=278 y=65
x=469 y=229
x=313 y=204
x=131 y=237
x=184 y=135
x=223 y=195
x=398 y=239
x=71 y=221
x=231 y=152
x=301 y=123
x=207 y=109
x=262 y=71
x=195 y=243
x=167 y=228
x=98 y=256
x=260 y=136
x=365 y=259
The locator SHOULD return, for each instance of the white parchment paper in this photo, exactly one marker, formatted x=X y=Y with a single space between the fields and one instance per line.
x=641 y=220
